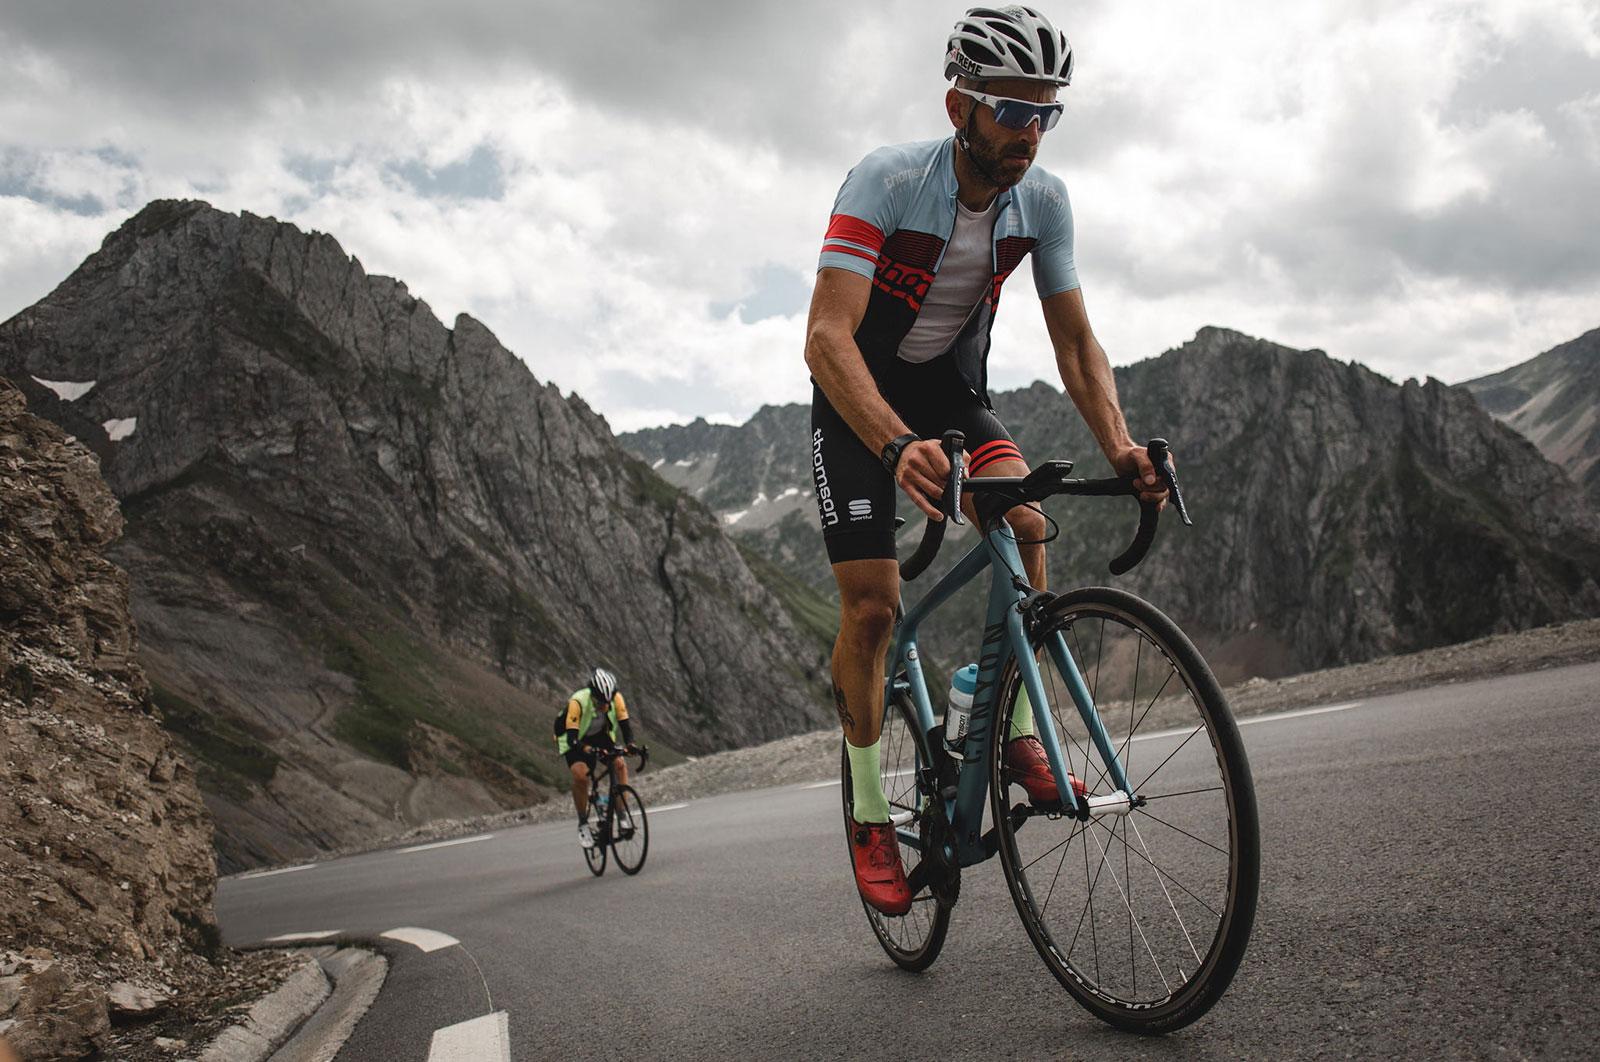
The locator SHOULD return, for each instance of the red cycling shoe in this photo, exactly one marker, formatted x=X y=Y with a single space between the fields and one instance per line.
x=880 y=876
x=1026 y=764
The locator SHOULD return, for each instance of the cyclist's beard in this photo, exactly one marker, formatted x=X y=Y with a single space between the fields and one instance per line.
x=993 y=165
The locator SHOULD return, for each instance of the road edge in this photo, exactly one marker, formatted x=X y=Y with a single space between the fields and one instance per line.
x=309 y=1016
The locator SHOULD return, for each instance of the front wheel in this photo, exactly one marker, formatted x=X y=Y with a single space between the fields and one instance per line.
x=912 y=940
x=630 y=833
x=1144 y=917
x=596 y=856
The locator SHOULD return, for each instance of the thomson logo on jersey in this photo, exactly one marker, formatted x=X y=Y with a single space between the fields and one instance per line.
x=860 y=509
x=826 y=509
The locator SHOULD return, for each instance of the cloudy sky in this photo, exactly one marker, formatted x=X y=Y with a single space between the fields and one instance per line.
x=634 y=200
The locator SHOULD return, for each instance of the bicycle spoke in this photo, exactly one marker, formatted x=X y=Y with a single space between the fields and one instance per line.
x=1151 y=951
x=1126 y=848
x=1181 y=830
x=1171 y=754
x=1056 y=876
x=1128 y=741
x=1053 y=847
x=1186 y=792
x=1188 y=891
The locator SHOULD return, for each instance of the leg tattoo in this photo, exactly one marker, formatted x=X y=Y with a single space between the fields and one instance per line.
x=845 y=718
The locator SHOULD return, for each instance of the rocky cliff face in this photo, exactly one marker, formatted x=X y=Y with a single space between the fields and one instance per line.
x=371 y=555
x=1554 y=399
x=105 y=846
x=1340 y=516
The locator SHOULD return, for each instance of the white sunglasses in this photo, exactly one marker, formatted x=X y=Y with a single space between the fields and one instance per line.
x=1017 y=114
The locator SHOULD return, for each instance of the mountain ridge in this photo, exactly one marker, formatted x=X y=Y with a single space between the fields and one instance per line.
x=1326 y=495
x=1554 y=400
x=371 y=555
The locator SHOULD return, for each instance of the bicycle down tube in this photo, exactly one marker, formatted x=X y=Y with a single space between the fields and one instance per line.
x=1004 y=638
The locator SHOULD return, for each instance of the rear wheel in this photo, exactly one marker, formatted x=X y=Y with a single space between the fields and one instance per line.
x=912 y=940
x=630 y=833
x=1143 y=917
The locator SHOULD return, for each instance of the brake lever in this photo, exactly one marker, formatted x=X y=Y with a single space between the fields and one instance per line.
x=1161 y=456
x=955 y=449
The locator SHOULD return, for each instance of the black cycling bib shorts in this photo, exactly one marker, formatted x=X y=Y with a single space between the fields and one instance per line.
x=856 y=495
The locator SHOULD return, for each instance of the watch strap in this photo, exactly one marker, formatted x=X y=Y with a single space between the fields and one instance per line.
x=895 y=447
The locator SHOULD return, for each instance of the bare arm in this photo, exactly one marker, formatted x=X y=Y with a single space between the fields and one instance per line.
x=1086 y=374
x=838 y=303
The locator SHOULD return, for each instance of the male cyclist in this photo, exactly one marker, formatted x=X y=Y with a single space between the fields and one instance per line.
x=597 y=717
x=921 y=239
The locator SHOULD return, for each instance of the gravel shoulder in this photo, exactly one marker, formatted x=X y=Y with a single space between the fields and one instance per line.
x=814 y=756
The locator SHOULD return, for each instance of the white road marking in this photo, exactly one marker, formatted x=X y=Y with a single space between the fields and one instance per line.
x=285 y=938
x=1274 y=717
x=423 y=939
x=669 y=807
x=1297 y=713
x=446 y=844
x=270 y=873
x=485 y=1039
x=838 y=781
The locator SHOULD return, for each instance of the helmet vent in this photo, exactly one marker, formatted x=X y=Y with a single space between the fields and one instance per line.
x=980 y=53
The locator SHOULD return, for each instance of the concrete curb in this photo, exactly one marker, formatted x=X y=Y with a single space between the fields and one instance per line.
x=306 y=1019
x=273 y=1018
x=357 y=976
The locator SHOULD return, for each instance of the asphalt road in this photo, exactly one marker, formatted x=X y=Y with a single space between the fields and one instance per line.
x=1431 y=868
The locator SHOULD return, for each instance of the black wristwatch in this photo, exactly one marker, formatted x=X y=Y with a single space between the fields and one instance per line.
x=893 y=448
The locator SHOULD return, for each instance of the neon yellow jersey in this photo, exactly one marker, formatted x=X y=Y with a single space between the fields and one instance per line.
x=584 y=716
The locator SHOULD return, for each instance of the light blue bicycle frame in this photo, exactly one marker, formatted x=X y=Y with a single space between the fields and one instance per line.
x=1005 y=638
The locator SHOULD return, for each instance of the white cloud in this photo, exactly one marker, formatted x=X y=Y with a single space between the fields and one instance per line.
x=1408 y=184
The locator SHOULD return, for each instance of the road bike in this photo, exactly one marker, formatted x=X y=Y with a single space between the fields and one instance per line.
x=620 y=826
x=1138 y=889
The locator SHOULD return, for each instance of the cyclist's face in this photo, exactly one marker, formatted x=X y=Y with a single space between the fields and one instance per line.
x=1007 y=153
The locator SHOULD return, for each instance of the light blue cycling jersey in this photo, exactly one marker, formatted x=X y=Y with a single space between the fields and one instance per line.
x=891 y=221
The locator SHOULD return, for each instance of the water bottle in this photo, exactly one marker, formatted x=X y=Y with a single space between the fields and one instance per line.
x=602 y=802
x=962 y=686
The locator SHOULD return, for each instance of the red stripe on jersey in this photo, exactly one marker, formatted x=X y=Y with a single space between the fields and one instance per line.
x=843 y=248
x=845 y=227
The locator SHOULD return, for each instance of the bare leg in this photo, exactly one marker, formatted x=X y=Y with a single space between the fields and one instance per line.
x=1027 y=524
x=868 y=594
x=580 y=788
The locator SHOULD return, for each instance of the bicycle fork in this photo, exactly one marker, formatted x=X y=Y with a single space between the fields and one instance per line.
x=1120 y=802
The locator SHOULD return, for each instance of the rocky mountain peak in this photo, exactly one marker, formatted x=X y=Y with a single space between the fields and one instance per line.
x=349 y=523
x=1340 y=515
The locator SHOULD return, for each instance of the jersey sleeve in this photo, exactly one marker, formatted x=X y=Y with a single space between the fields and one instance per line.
x=1054 y=268
x=620 y=706
x=574 y=714
x=863 y=215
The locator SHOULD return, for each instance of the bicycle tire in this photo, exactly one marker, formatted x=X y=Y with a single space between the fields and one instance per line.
x=626 y=799
x=596 y=856
x=1168 y=1007
x=913 y=940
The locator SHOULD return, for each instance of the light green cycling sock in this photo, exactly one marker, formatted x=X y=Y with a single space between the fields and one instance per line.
x=1021 y=716
x=866 y=788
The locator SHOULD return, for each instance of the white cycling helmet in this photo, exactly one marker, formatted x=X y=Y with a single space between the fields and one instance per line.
x=603 y=684
x=1008 y=42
